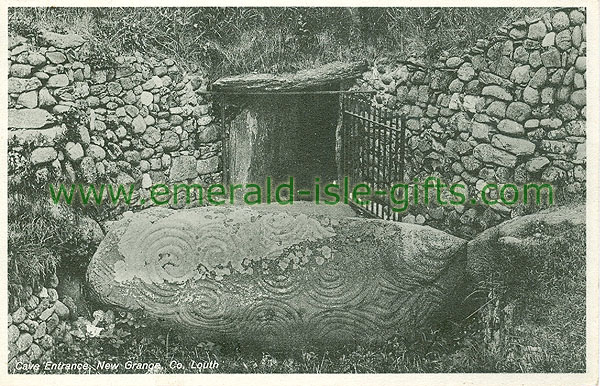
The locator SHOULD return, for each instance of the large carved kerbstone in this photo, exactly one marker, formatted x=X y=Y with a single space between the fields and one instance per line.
x=275 y=276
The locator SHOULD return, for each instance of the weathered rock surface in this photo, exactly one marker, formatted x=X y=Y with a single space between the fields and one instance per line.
x=28 y=118
x=61 y=41
x=526 y=233
x=327 y=74
x=274 y=276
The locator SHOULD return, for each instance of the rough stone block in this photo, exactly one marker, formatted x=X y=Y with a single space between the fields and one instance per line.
x=59 y=80
x=510 y=127
x=19 y=85
x=61 y=41
x=516 y=146
x=496 y=92
x=489 y=154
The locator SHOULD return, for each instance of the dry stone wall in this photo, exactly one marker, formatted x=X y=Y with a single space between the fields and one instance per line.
x=140 y=121
x=133 y=120
x=37 y=327
x=510 y=110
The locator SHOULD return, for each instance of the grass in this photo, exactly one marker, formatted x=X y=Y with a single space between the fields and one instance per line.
x=223 y=41
x=41 y=236
x=541 y=292
x=30 y=261
x=434 y=351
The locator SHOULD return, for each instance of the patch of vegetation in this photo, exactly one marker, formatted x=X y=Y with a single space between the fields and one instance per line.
x=23 y=24
x=30 y=263
x=100 y=55
x=223 y=41
x=431 y=352
x=41 y=236
x=72 y=119
x=536 y=299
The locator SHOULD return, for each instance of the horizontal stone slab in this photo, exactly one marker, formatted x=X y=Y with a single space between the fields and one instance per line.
x=61 y=40
x=516 y=146
x=20 y=85
x=270 y=276
x=490 y=154
x=28 y=118
x=326 y=74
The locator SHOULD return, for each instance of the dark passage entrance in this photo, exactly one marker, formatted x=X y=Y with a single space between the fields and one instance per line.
x=315 y=138
x=281 y=136
x=284 y=125
x=304 y=135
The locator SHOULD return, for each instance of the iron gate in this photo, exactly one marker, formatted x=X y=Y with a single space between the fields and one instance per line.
x=373 y=146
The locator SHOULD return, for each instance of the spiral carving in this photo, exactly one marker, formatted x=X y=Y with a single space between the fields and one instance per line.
x=281 y=286
x=270 y=277
x=333 y=286
x=207 y=307
x=335 y=326
x=269 y=318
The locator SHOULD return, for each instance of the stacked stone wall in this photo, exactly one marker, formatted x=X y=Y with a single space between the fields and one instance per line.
x=132 y=120
x=138 y=120
x=38 y=326
x=509 y=110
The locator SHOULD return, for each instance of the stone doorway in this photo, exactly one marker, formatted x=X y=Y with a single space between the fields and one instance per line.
x=283 y=126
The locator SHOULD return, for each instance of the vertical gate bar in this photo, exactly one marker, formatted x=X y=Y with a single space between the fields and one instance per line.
x=347 y=133
x=367 y=138
x=396 y=160
x=385 y=174
x=371 y=155
x=351 y=145
x=381 y=163
x=358 y=144
x=224 y=144
x=378 y=152
x=352 y=151
x=371 y=117
x=343 y=139
x=377 y=156
x=360 y=140
x=389 y=163
x=357 y=140
x=352 y=141
x=393 y=160
x=397 y=156
x=402 y=146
